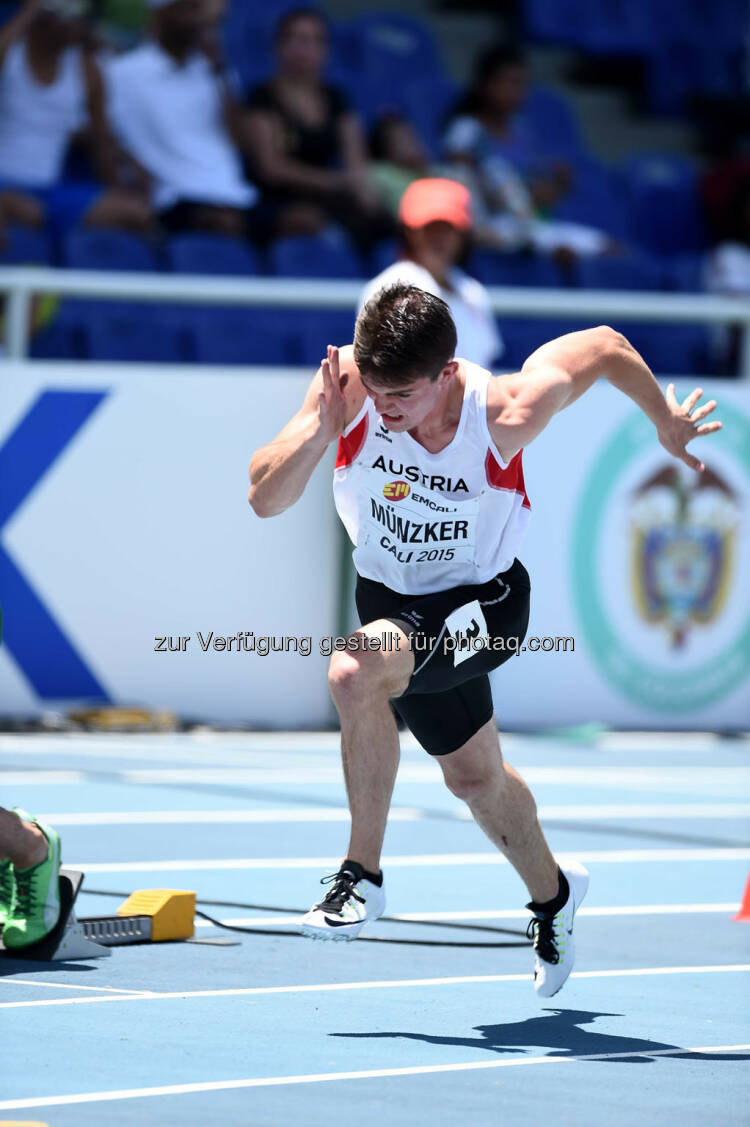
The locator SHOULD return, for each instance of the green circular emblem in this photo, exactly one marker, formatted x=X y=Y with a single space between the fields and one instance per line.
x=647 y=684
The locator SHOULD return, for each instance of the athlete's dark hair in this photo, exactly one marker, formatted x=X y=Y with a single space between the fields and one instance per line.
x=404 y=334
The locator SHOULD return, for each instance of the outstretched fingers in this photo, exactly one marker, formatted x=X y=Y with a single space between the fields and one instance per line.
x=690 y=401
x=708 y=428
x=325 y=370
x=703 y=410
x=333 y=363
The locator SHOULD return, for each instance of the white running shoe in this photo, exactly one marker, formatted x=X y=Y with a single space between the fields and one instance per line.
x=553 y=936
x=351 y=903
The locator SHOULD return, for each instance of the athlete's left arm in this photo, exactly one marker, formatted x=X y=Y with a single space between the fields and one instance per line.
x=558 y=373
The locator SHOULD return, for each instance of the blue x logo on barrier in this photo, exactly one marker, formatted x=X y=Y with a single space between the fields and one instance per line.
x=42 y=651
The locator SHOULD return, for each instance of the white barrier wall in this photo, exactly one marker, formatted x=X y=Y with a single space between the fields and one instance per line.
x=123 y=519
x=644 y=563
x=140 y=528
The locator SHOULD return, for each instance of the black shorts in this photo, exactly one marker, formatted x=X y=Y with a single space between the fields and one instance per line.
x=458 y=637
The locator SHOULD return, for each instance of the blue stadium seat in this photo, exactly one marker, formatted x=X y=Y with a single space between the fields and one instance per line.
x=318 y=256
x=427 y=102
x=495 y=268
x=619 y=27
x=554 y=122
x=523 y=335
x=245 y=336
x=388 y=45
x=24 y=246
x=685 y=273
x=317 y=328
x=559 y=21
x=63 y=337
x=664 y=205
x=595 y=199
x=130 y=332
x=621 y=272
x=383 y=255
x=370 y=98
x=673 y=350
x=200 y=253
x=98 y=248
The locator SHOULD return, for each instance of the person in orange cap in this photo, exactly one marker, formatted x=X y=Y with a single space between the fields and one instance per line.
x=435 y=217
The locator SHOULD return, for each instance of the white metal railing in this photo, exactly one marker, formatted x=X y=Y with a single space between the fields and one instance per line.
x=20 y=283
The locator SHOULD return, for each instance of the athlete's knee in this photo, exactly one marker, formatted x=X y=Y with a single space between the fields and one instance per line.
x=471 y=773
x=471 y=784
x=350 y=679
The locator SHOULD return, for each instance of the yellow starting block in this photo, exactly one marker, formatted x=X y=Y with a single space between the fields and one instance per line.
x=171 y=912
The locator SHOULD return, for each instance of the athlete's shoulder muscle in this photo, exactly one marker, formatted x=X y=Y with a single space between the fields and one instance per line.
x=520 y=405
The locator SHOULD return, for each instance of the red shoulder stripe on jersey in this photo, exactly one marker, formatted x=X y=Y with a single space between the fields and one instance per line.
x=349 y=447
x=509 y=478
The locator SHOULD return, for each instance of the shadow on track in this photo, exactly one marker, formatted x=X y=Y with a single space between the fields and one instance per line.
x=562 y=1033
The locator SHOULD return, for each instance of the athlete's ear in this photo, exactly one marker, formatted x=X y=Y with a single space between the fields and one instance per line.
x=449 y=372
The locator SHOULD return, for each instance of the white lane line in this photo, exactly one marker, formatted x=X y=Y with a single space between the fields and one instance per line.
x=234 y=817
x=593 y=775
x=407 y=983
x=677 y=780
x=41 y=778
x=416 y=860
x=369 y=1074
x=500 y=914
x=629 y=811
x=625 y=910
x=7 y=980
x=149 y=750
x=293 y=741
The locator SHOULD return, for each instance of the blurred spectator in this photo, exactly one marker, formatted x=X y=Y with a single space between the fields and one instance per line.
x=512 y=178
x=50 y=89
x=175 y=115
x=728 y=272
x=398 y=158
x=436 y=220
x=304 y=145
x=729 y=263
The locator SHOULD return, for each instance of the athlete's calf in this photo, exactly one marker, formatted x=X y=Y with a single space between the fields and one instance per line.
x=362 y=681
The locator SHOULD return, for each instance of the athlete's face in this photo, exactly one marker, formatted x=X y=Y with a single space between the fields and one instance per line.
x=405 y=407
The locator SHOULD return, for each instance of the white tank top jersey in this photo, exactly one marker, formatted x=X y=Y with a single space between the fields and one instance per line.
x=36 y=121
x=423 y=522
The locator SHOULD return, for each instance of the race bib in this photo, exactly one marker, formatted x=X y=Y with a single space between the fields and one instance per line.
x=466 y=632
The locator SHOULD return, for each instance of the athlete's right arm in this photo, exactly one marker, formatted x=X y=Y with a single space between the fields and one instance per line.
x=280 y=470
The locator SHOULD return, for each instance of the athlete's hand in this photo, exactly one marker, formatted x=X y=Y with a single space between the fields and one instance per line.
x=331 y=401
x=682 y=427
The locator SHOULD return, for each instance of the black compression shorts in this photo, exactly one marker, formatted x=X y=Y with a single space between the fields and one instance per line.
x=458 y=637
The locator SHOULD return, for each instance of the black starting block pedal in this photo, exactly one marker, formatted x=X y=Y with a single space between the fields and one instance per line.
x=68 y=938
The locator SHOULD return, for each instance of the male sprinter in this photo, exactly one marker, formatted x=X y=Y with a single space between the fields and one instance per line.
x=429 y=485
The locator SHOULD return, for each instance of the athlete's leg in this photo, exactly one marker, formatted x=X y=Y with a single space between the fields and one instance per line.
x=504 y=807
x=362 y=683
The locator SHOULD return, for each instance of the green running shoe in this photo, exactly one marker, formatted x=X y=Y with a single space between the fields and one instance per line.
x=7 y=890
x=36 y=907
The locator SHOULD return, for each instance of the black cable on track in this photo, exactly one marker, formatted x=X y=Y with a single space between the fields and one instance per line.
x=520 y=935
